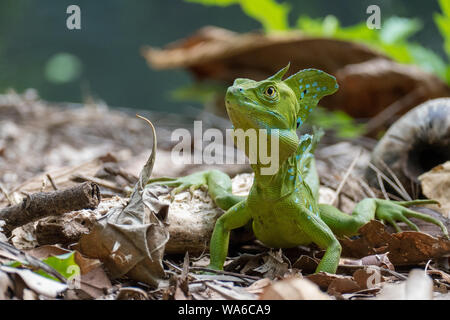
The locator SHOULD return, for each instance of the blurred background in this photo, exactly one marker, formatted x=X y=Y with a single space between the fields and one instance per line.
x=103 y=59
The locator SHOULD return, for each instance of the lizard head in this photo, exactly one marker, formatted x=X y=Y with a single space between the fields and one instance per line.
x=280 y=104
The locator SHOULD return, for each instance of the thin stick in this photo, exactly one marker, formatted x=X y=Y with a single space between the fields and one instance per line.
x=399 y=184
x=49 y=177
x=344 y=179
x=101 y=182
x=380 y=182
x=389 y=181
x=238 y=275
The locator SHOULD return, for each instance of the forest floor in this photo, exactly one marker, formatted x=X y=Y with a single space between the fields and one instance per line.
x=47 y=148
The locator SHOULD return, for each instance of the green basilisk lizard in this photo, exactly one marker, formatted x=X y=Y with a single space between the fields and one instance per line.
x=283 y=207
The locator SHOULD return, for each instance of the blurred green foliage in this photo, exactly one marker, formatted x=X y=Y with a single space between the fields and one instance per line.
x=272 y=15
x=392 y=39
x=443 y=23
x=338 y=121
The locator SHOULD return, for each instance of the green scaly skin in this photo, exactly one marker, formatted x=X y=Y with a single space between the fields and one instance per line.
x=283 y=207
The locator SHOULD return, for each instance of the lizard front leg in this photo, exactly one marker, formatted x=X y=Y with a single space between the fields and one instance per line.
x=319 y=233
x=217 y=182
x=236 y=217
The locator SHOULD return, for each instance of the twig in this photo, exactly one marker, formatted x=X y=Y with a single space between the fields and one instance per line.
x=397 y=181
x=49 y=177
x=346 y=175
x=238 y=275
x=101 y=182
x=391 y=183
x=44 y=204
x=380 y=182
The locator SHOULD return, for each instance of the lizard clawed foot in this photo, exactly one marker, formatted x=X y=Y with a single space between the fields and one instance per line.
x=393 y=211
x=192 y=182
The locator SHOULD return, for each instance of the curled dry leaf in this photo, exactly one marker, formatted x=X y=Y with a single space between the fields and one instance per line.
x=130 y=241
x=403 y=248
x=293 y=289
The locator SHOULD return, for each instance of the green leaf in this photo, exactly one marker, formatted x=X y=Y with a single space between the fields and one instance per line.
x=272 y=15
x=445 y=7
x=428 y=60
x=65 y=264
x=443 y=23
x=396 y=29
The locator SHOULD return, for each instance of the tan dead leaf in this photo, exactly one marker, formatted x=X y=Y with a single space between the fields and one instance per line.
x=403 y=248
x=334 y=282
x=436 y=185
x=293 y=289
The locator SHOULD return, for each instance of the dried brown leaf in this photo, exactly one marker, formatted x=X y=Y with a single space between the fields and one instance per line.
x=403 y=248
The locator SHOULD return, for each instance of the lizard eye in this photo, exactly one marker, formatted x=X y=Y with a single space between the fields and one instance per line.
x=270 y=92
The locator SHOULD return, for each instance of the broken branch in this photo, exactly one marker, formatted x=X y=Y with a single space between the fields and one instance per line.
x=43 y=204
